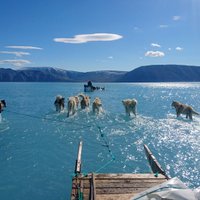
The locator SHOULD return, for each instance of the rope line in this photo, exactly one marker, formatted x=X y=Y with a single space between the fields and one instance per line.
x=104 y=166
x=108 y=147
x=106 y=143
x=52 y=120
x=47 y=119
x=103 y=136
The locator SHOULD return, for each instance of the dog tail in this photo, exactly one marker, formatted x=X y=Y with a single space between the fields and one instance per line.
x=81 y=95
x=196 y=113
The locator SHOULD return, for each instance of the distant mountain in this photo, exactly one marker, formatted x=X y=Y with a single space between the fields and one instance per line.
x=50 y=74
x=163 y=73
x=102 y=76
x=151 y=73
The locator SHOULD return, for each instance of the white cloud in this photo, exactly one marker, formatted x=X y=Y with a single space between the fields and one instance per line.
x=176 y=18
x=16 y=53
x=179 y=48
x=17 y=63
x=89 y=38
x=154 y=54
x=164 y=26
x=155 y=45
x=110 y=57
x=24 y=47
x=169 y=49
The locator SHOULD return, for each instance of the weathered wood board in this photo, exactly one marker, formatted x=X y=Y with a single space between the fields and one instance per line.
x=112 y=186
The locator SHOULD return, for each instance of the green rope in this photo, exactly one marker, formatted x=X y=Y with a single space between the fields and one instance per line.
x=106 y=144
x=105 y=141
x=103 y=136
x=48 y=119
x=104 y=166
x=80 y=194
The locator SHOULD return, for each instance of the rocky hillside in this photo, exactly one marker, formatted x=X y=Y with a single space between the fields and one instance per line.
x=48 y=74
x=151 y=73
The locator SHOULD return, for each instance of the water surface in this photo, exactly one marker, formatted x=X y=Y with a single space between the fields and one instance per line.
x=38 y=146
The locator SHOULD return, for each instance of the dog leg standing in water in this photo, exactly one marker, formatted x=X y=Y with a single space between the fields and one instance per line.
x=77 y=101
x=96 y=105
x=130 y=106
x=2 y=105
x=59 y=103
x=183 y=109
x=85 y=101
x=71 y=106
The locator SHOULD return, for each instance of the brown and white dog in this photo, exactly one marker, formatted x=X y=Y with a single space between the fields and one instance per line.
x=96 y=105
x=130 y=106
x=72 y=105
x=183 y=109
x=2 y=105
x=85 y=101
x=77 y=101
x=59 y=103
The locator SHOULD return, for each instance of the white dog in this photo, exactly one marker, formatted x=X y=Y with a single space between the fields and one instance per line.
x=59 y=103
x=71 y=105
x=130 y=106
x=96 y=105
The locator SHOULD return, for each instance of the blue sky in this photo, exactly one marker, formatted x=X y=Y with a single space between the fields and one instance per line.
x=89 y=35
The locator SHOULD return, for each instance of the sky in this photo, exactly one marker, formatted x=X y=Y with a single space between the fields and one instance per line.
x=91 y=35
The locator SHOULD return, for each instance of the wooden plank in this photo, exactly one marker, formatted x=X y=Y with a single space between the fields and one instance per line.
x=115 y=197
x=118 y=190
x=122 y=179
x=77 y=187
x=127 y=185
x=78 y=161
x=129 y=181
x=115 y=186
x=81 y=187
x=109 y=192
x=128 y=176
x=121 y=184
x=92 y=188
x=125 y=176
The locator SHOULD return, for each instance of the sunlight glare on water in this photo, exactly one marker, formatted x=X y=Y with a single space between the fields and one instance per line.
x=38 y=146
